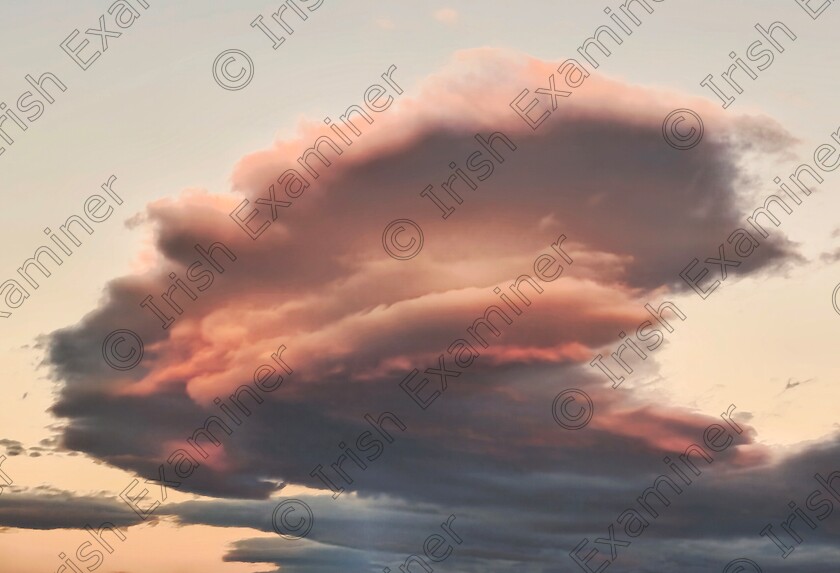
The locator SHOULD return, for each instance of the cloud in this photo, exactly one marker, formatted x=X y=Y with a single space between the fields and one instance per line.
x=13 y=447
x=355 y=322
x=49 y=509
x=446 y=15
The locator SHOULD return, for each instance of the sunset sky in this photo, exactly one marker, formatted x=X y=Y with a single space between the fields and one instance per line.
x=594 y=188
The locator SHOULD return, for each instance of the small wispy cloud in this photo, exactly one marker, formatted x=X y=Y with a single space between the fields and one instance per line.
x=447 y=16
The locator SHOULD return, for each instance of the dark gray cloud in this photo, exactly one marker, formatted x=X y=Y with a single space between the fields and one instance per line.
x=12 y=447
x=44 y=508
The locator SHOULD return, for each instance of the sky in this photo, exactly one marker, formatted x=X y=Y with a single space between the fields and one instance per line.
x=323 y=328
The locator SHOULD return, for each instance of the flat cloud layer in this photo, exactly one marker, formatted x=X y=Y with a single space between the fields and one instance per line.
x=355 y=322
